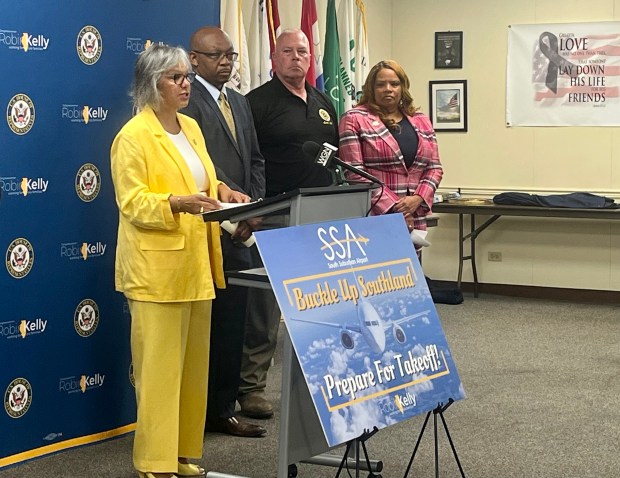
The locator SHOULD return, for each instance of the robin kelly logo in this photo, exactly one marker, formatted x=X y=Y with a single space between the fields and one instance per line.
x=23 y=41
x=83 y=251
x=14 y=186
x=83 y=383
x=86 y=318
x=400 y=403
x=19 y=258
x=84 y=114
x=22 y=329
x=138 y=45
x=20 y=114
x=18 y=397
x=88 y=182
x=89 y=45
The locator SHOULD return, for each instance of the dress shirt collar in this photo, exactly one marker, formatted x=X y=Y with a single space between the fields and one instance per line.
x=213 y=91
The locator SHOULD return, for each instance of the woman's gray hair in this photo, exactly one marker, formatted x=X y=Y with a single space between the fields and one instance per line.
x=151 y=65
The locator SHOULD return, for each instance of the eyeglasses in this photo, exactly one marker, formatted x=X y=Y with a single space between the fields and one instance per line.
x=218 y=55
x=179 y=77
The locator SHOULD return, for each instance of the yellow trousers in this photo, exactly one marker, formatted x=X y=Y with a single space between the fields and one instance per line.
x=170 y=353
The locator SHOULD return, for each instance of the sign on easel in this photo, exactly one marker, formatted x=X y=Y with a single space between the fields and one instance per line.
x=362 y=322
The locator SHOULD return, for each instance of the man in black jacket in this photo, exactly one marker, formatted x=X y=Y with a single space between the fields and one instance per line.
x=287 y=113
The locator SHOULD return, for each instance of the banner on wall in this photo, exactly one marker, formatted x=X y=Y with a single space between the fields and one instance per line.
x=66 y=376
x=362 y=322
x=563 y=74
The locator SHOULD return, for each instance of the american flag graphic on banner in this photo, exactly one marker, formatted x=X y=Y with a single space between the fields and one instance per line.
x=568 y=75
x=563 y=75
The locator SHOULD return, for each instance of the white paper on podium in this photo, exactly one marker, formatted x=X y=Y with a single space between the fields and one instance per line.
x=230 y=205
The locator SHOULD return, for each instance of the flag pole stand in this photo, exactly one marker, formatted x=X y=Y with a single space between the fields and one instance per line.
x=437 y=411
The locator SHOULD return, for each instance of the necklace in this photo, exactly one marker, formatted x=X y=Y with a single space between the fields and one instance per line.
x=396 y=117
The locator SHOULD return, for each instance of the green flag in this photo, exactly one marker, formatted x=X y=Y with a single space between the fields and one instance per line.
x=331 y=60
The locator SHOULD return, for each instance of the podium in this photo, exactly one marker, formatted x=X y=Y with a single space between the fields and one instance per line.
x=301 y=434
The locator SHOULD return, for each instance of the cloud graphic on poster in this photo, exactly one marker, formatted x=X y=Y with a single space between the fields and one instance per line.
x=338 y=363
x=423 y=386
x=350 y=423
x=316 y=348
x=320 y=345
x=385 y=312
x=388 y=356
x=338 y=422
x=403 y=308
x=365 y=416
x=314 y=386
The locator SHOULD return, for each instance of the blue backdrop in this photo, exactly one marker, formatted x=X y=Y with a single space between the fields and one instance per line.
x=64 y=333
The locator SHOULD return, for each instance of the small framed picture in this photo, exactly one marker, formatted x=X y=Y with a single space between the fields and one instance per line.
x=448 y=105
x=448 y=49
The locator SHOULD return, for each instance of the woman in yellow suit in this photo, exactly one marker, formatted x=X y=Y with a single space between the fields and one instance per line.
x=168 y=261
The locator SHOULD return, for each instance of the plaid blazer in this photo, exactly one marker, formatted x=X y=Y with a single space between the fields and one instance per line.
x=367 y=144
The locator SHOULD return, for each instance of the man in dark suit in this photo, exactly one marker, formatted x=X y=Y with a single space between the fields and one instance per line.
x=226 y=122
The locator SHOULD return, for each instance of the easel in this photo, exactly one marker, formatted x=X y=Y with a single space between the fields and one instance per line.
x=361 y=440
x=437 y=411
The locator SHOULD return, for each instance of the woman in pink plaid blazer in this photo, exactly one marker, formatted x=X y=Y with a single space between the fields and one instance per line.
x=386 y=136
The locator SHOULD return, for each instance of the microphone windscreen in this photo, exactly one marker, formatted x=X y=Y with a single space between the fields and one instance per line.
x=311 y=148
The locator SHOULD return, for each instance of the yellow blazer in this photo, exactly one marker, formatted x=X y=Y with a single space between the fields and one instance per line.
x=161 y=256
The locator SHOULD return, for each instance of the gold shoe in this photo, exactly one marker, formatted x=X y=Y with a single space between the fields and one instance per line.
x=148 y=474
x=190 y=469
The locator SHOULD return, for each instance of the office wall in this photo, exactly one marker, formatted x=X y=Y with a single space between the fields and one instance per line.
x=491 y=158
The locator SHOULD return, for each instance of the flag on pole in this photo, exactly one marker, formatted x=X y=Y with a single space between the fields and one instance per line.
x=331 y=60
x=346 y=37
x=260 y=53
x=273 y=24
x=310 y=26
x=361 y=46
x=231 y=19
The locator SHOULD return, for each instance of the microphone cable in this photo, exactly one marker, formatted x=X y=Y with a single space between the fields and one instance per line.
x=374 y=201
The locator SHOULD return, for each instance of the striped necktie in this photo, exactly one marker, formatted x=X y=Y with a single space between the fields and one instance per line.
x=227 y=112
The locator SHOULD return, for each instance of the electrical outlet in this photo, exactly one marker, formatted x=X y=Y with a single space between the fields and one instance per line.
x=495 y=256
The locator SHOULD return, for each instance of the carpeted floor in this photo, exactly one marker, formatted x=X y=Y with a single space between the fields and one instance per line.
x=543 y=386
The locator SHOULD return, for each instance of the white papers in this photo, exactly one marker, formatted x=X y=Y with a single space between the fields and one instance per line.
x=419 y=238
x=230 y=228
x=229 y=205
x=258 y=271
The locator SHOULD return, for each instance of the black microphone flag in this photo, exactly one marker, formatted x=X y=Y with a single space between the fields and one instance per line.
x=326 y=157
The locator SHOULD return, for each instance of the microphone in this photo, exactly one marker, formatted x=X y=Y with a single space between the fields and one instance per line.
x=326 y=156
